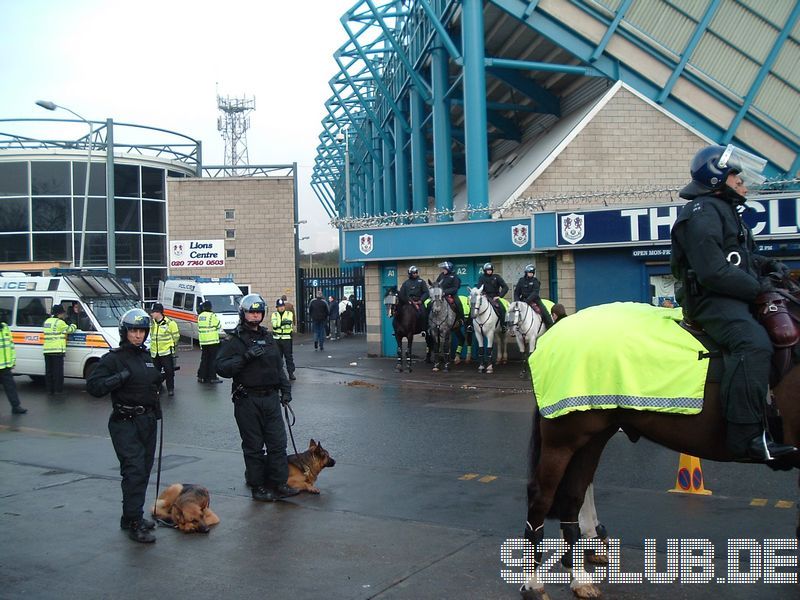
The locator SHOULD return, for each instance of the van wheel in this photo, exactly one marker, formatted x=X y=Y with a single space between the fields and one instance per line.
x=37 y=379
x=89 y=368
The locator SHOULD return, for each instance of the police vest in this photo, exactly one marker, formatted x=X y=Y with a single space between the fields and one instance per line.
x=8 y=353
x=55 y=338
x=164 y=337
x=208 y=328
x=279 y=330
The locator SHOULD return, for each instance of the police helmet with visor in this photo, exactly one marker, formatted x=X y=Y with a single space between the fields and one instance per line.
x=135 y=318
x=447 y=266
x=712 y=165
x=412 y=270
x=488 y=267
x=252 y=303
x=530 y=269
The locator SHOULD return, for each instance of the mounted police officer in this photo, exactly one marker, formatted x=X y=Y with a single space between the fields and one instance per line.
x=55 y=347
x=495 y=287
x=251 y=357
x=129 y=375
x=450 y=284
x=282 y=327
x=415 y=291
x=720 y=275
x=527 y=290
x=164 y=336
x=208 y=336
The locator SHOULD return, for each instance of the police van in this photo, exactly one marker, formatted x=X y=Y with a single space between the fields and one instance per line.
x=93 y=300
x=183 y=297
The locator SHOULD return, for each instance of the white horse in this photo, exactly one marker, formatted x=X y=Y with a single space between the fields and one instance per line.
x=486 y=325
x=525 y=325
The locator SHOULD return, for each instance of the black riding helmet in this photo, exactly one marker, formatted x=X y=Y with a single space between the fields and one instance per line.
x=447 y=266
x=530 y=269
x=252 y=303
x=488 y=267
x=135 y=318
x=412 y=270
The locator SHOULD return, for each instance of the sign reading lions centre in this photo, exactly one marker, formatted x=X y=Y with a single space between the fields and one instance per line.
x=196 y=253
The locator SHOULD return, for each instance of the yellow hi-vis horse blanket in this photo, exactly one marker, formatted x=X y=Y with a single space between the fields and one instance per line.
x=620 y=355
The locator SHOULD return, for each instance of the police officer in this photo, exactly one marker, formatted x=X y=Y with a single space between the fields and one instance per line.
x=720 y=275
x=415 y=291
x=55 y=347
x=129 y=375
x=208 y=336
x=8 y=358
x=164 y=336
x=527 y=290
x=251 y=357
x=282 y=327
x=495 y=287
x=450 y=284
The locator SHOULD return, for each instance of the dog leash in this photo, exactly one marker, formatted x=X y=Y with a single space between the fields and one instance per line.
x=160 y=449
x=286 y=410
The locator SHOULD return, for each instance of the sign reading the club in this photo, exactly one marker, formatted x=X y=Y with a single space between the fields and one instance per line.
x=196 y=253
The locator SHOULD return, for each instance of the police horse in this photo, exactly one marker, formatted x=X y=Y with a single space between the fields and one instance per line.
x=526 y=325
x=486 y=326
x=564 y=453
x=441 y=325
x=406 y=323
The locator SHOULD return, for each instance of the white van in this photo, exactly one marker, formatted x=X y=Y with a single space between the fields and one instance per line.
x=93 y=300
x=183 y=296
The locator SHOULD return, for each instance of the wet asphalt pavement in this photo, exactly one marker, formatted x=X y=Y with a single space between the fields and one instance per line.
x=429 y=481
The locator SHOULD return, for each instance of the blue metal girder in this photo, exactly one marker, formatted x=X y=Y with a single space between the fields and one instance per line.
x=376 y=206
x=509 y=130
x=419 y=168
x=546 y=102
x=443 y=36
x=699 y=31
x=365 y=102
x=402 y=197
x=626 y=4
x=352 y=120
x=387 y=179
x=755 y=87
x=442 y=137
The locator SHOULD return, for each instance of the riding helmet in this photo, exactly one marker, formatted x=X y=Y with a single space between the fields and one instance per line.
x=412 y=269
x=488 y=267
x=252 y=303
x=447 y=266
x=530 y=268
x=707 y=175
x=135 y=318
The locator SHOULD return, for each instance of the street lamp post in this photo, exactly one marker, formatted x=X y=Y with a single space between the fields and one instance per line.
x=46 y=104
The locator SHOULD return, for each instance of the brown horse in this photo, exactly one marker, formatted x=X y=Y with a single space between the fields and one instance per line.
x=565 y=452
x=406 y=323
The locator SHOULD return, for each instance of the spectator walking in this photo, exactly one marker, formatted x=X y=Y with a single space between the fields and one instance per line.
x=333 y=317
x=318 y=311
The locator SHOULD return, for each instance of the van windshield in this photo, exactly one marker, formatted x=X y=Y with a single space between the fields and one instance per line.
x=224 y=304
x=107 y=311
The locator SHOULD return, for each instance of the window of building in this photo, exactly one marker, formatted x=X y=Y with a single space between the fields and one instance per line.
x=129 y=250
x=13 y=179
x=126 y=181
x=154 y=216
x=230 y=253
x=154 y=248
x=230 y=234
x=152 y=183
x=152 y=277
x=177 y=300
x=52 y=247
x=6 y=309
x=13 y=214
x=14 y=248
x=95 y=252
x=230 y=214
x=51 y=214
x=32 y=311
x=126 y=214
x=50 y=178
x=95 y=216
x=97 y=179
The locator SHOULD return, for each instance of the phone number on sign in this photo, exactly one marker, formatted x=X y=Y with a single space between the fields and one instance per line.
x=197 y=263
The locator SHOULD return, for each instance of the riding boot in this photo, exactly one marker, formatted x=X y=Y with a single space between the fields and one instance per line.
x=750 y=443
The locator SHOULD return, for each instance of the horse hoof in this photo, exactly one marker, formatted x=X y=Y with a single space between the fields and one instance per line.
x=446 y=369
x=529 y=594
x=587 y=590
x=435 y=369
x=399 y=369
x=489 y=370
x=596 y=559
x=457 y=360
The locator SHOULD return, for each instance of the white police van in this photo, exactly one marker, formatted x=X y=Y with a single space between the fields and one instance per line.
x=93 y=300
x=183 y=297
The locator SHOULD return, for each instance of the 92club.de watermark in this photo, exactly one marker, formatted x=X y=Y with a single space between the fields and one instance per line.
x=688 y=560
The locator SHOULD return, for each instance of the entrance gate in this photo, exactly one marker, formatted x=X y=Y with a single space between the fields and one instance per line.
x=336 y=282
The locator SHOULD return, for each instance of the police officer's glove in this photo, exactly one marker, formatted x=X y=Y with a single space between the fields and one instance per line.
x=767 y=285
x=286 y=322
x=286 y=397
x=254 y=352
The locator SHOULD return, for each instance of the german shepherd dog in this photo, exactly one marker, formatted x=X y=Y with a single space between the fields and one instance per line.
x=185 y=506
x=304 y=468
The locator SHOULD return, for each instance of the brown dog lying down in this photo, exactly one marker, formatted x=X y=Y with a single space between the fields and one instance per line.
x=185 y=506
x=304 y=468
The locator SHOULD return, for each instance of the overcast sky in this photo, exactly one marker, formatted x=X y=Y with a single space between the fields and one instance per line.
x=158 y=63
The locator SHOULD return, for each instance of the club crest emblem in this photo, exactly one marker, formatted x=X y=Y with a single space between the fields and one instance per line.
x=520 y=234
x=365 y=243
x=572 y=228
x=177 y=250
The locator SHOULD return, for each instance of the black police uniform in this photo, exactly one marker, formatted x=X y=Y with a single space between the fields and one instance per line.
x=259 y=385
x=713 y=257
x=451 y=284
x=414 y=288
x=128 y=373
x=494 y=286
x=527 y=290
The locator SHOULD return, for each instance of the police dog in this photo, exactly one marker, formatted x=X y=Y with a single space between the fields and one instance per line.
x=185 y=506
x=304 y=468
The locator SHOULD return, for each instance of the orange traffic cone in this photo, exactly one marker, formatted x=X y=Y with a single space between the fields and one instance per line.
x=690 y=477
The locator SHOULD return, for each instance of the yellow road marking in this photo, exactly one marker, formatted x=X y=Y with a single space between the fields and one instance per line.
x=468 y=476
x=758 y=502
x=784 y=504
x=487 y=478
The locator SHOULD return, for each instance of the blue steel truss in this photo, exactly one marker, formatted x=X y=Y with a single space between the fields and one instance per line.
x=408 y=109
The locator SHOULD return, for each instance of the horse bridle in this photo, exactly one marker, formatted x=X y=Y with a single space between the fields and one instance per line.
x=528 y=307
x=481 y=297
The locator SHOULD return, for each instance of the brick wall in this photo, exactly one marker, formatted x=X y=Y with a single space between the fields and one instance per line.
x=264 y=228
